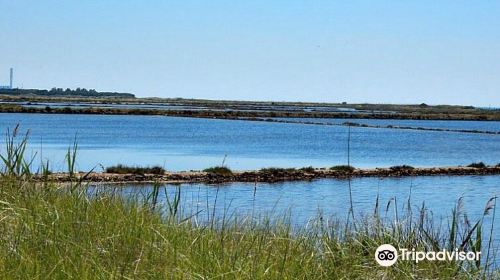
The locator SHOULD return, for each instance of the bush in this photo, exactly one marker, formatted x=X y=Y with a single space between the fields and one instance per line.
x=277 y=170
x=123 y=169
x=401 y=168
x=308 y=169
x=343 y=168
x=219 y=170
x=477 y=165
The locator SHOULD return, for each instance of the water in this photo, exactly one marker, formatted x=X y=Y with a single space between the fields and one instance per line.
x=304 y=199
x=189 y=143
x=193 y=144
x=302 y=202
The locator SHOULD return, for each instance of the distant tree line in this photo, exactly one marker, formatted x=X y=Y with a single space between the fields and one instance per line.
x=78 y=92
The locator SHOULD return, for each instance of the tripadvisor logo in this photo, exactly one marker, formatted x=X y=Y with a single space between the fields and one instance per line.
x=387 y=255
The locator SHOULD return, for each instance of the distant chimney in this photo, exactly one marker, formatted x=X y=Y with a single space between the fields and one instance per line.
x=11 y=76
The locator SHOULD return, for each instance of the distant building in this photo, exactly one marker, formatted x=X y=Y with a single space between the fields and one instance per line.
x=10 y=86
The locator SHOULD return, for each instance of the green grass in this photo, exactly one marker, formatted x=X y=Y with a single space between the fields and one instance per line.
x=63 y=232
x=477 y=165
x=55 y=233
x=219 y=170
x=122 y=169
x=343 y=168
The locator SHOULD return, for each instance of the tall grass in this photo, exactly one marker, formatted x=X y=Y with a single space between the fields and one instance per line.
x=14 y=159
x=56 y=232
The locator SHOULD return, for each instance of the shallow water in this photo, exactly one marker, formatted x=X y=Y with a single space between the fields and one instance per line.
x=193 y=144
x=303 y=199
x=303 y=202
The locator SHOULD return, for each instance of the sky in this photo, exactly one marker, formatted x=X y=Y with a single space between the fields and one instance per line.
x=437 y=52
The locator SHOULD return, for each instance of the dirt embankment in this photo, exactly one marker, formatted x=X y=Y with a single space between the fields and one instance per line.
x=236 y=113
x=271 y=176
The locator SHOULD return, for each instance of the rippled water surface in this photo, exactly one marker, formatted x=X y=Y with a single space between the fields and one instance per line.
x=304 y=199
x=190 y=143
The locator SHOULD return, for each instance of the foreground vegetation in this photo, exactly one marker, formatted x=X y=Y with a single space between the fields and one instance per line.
x=60 y=232
x=55 y=233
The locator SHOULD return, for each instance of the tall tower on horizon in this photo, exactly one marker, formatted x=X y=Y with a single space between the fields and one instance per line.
x=11 y=77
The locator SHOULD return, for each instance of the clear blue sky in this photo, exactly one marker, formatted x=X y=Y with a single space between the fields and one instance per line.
x=356 y=51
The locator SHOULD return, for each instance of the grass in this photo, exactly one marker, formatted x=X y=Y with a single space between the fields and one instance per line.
x=123 y=169
x=343 y=168
x=219 y=170
x=477 y=165
x=59 y=232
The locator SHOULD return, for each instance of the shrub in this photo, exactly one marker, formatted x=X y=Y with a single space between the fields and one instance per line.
x=343 y=168
x=277 y=170
x=123 y=169
x=219 y=170
x=308 y=169
x=401 y=167
x=477 y=165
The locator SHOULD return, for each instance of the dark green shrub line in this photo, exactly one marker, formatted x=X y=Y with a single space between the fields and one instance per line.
x=477 y=165
x=219 y=170
x=123 y=169
x=343 y=168
x=403 y=167
x=308 y=169
x=274 y=170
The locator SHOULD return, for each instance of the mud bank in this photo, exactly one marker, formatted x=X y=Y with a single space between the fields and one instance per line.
x=236 y=113
x=270 y=175
x=354 y=124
